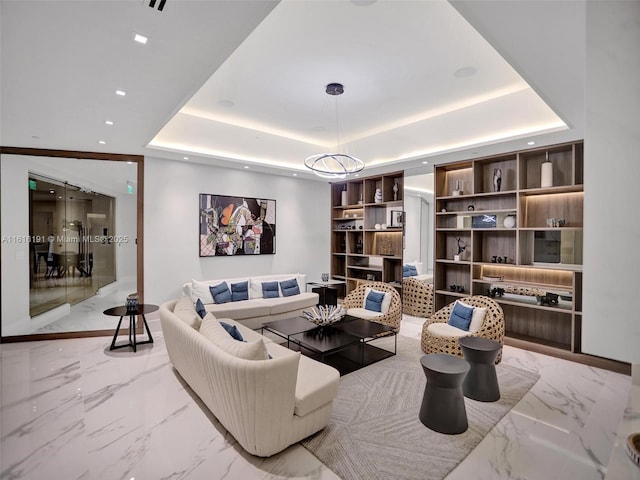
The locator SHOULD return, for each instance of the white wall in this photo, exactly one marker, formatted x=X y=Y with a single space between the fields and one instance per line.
x=171 y=255
x=97 y=175
x=611 y=324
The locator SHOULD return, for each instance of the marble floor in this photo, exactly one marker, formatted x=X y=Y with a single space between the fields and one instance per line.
x=72 y=409
x=85 y=315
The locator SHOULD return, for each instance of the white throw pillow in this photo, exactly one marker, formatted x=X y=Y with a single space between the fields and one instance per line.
x=477 y=319
x=214 y=332
x=186 y=311
x=386 y=301
x=200 y=290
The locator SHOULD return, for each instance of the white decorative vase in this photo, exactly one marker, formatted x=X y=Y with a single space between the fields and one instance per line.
x=344 y=198
x=546 y=173
x=377 y=198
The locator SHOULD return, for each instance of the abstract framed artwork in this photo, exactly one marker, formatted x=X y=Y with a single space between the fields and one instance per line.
x=236 y=225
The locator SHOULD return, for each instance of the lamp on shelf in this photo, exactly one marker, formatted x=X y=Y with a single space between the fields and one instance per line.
x=334 y=165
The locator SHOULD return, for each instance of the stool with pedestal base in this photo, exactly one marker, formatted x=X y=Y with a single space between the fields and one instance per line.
x=443 y=407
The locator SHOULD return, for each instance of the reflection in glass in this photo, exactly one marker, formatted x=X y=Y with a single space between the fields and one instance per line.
x=71 y=249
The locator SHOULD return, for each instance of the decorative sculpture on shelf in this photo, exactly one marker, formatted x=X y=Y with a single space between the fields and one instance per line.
x=497 y=179
x=496 y=292
x=461 y=248
x=395 y=191
x=550 y=299
x=377 y=198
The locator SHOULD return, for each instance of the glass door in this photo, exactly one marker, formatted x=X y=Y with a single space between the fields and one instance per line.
x=72 y=249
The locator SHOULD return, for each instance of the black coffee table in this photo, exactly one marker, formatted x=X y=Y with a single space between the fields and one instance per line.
x=345 y=345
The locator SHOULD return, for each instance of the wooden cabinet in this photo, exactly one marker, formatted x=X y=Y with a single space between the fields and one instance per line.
x=367 y=235
x=499 y=232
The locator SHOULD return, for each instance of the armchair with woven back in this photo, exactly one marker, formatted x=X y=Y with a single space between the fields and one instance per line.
x=355 y=303
x=438 y=336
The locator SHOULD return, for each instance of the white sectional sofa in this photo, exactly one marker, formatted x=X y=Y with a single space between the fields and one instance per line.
x=267 y=404
x=257 y=309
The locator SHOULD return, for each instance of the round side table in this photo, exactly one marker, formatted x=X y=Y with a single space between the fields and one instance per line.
x=443 y=407
x=123 y=311
x=482 y=382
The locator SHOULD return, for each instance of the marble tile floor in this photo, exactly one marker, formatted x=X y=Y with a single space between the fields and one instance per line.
x=71 y=409
x=87 y=314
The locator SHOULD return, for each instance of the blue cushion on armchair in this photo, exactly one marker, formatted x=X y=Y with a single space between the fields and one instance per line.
x=461 y=316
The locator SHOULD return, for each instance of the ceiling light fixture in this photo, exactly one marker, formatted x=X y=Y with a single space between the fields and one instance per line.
x=334 y=165
x=140 y=38
x=122 y=93
x=102 y=142
x=108 y=122
x=531 y=143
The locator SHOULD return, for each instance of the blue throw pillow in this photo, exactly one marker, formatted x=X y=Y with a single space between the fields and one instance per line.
x=233 y=331
x=220 y=293
x=239 y=291
x=270 y=290
x=374 y=301
x=409 y=271
x=461 y=316
x=200 y=308
x=290 y=287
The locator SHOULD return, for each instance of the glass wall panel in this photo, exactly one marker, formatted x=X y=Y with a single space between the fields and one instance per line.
x=72 y=243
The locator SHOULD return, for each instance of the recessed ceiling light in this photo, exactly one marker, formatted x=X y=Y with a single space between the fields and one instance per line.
x=295 y=174
x=52 y=191
x=122 y=93
x=129 y=163
x=59 y=196
x=425 y=162
x=102 y=142
x=465 y=72
x=357 y=174
x=246 y=166
x=185 y=158
x=108 y=122
x=140 y=38
x=531 y=143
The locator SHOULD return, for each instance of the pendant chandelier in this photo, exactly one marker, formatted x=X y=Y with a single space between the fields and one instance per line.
x=334 y=165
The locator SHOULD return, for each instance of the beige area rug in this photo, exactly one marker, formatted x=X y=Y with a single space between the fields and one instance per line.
x=375 y=433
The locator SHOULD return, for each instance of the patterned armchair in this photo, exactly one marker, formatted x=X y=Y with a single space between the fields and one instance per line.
x=417 y=297
x=355 y=299
x=492 y=327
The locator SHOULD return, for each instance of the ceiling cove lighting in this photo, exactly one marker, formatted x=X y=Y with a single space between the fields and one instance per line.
x=334 y=165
